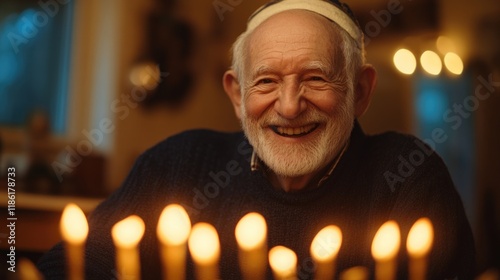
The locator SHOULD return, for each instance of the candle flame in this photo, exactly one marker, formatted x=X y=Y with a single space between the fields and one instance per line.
x=28 y=270
x=282 y=260
x=128 y=232
x=174 y=225
x=203 y=244
x=355 y=273
x=251 y=231
x=420 y=238
x=326 y=244
x=74 y=226
x=386 y=242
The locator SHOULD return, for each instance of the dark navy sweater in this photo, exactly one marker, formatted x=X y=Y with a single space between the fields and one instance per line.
x=379 y=178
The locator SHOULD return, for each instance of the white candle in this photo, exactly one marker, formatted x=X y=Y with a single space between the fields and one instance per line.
x=74 y=230
x=126 y=236
x=173 y=231
x=355 y=273
x=283 y=262
x=251 y=232
x=418 y=244
x=28 y=271
x=204 y=246
x=324 y=249
x=385 y=248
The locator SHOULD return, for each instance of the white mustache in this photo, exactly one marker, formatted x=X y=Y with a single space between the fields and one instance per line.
x=304 y=119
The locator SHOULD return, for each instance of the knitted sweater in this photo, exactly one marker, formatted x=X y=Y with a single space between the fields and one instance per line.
x=384 y=177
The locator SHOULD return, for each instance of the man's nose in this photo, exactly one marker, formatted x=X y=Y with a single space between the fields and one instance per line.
x=290 y=103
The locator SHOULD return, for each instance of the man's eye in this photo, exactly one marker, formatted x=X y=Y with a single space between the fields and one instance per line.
x=316 y=78
x=264 y=81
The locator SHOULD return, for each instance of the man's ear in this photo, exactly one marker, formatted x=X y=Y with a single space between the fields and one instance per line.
x=233 y=90
x=367 y=80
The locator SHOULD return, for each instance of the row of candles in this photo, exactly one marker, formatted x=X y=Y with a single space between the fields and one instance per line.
x=177 y=235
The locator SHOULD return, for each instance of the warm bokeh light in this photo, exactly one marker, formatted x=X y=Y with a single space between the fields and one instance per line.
x=405 y=61
x=204 y=244
x=444 y=44
x=74 y=226
x=431 y=62
x=27 y=270
x=420 y=238
x=251 y=231
x=386 y=242
x=128 y=232
x=283 y=261
x=355 y=273
x=145 y=75
x=326 y=244
x=174 y=225
x=454 y=63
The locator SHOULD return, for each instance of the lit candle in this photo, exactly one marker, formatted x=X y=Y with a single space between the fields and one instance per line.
x=127 y=234
x=173 y=231
x=355 y=273
x=418 y=244
x=324 y=249
x=28 y=271
x=251 y=232
x=74 y=230
x=385 y=248
x=204 y=246
x=283 y=262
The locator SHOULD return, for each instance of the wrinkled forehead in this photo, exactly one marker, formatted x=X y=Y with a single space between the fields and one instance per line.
x=294 y=38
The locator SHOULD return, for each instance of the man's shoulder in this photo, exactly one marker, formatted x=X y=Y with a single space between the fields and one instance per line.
x=197 y=140
x=393 y=149
x=402 y=157
x=398 y=142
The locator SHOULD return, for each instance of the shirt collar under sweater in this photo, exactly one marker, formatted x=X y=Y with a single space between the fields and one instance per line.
x=256 y=162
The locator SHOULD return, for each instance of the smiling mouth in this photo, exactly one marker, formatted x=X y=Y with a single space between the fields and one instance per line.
x=294 y=131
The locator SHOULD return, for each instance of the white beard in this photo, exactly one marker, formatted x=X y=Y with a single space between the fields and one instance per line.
x=293 y=160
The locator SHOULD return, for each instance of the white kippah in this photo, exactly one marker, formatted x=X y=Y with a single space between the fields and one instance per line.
x=324 y=8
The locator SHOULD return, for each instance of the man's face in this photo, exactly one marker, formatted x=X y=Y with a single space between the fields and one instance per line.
x=297 y=111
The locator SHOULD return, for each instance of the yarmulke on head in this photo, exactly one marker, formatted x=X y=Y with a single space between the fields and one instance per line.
x=334 y=10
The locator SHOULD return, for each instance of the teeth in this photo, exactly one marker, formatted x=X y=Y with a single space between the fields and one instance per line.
x=291 y=131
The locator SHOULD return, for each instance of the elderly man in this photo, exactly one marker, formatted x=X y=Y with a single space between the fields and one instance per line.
x=298 y=83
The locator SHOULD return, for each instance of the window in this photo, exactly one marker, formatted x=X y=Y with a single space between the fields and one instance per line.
x=445 y=120
x=35 y=43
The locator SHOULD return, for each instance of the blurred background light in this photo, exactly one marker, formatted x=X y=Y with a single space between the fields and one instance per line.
x=453 y=63
x=431 y=62
x=430 y=105
x=405 y=61
x=10 y=68
x=145 y=75
x=445 y=44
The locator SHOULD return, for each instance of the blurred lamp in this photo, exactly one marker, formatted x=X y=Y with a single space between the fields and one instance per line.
x=405 y=61
x=453 y=63
x=444 y=44
x=146 y=75
x=431 y=63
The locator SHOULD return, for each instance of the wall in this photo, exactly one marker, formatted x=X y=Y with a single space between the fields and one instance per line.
x=207 y=106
